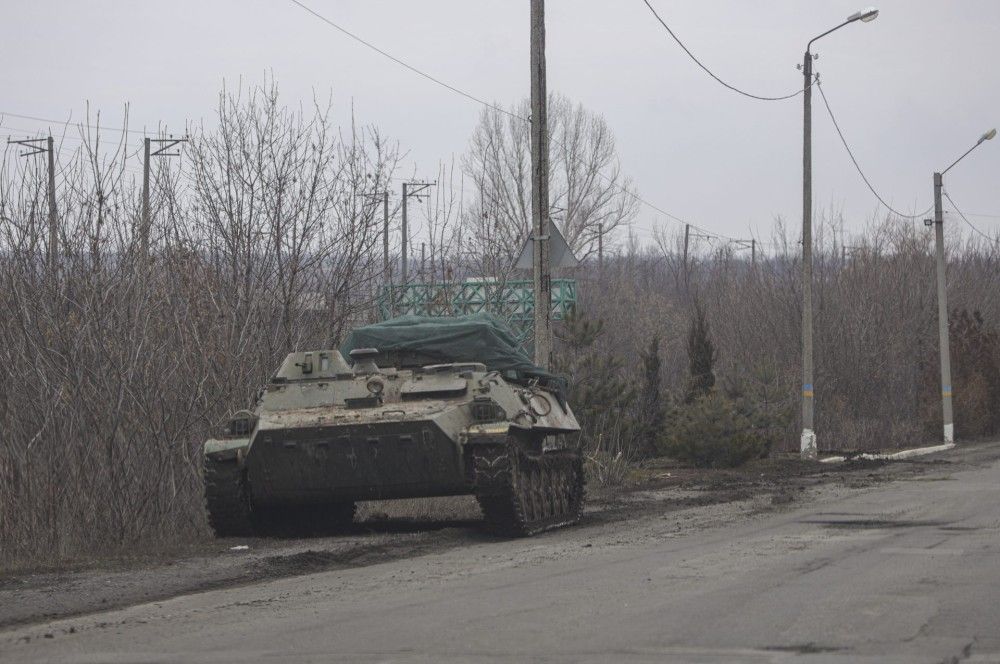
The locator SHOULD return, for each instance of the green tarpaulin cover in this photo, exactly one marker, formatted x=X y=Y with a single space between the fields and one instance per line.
x=473 y=338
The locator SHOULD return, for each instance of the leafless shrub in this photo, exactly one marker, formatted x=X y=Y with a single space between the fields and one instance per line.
x=875 y=325
x=609 y=450
x=114 y=368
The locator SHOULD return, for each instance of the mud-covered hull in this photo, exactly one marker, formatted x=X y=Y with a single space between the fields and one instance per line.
x=324 y=436
x=348 y=462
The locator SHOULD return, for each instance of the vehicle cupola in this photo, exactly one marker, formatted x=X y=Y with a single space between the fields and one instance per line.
x=363 y=360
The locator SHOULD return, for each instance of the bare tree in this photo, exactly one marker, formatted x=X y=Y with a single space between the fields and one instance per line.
x=114 y=370
x=589 y=191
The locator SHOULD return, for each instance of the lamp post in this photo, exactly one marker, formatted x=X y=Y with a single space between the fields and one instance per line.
x=808 y=440
x=944 y=340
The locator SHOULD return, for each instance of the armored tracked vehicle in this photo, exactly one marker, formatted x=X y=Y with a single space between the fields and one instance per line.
x=424 y=407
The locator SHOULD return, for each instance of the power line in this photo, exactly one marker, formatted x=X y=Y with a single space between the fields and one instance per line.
x=709 y=71
x=28 y=132
x=404 y=64
x=969 y=222
x=489 y=105
x=850 y=153
x=142 y=132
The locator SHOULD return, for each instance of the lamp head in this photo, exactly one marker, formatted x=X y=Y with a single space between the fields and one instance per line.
x=988 y=136
x=866 y=15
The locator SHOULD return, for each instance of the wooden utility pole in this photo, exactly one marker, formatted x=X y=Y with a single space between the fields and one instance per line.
x=404 y=230
x=410 y=190
x=35 y=147
x=600 y=251
x=687 y=239
x=163 y=145
x=542 y=267
x=144 y=230
x=386 y=273
x=53 y=212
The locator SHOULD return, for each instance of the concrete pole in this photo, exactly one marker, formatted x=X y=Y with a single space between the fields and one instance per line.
x=540 y=188
x=808 y=441
x=404 y=230
x=53 y=212
x=144 y=222
x=943 y=333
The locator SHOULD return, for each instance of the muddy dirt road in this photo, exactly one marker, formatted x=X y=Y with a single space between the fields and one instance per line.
x=896 y=563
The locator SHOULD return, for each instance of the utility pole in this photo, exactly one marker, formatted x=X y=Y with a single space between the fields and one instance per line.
x=144 y=229
x=807 y=443
x=387 y=274
x=34 y=146
x=942 y=293
x=943 y=332
x=386 y=266
x=687 y=239
x=600 y=251
x=404 y=230
x=542 y=267
x=384 y=198
x=164 y=144
x=410 y=190
x=53 y=212
x=423 y=261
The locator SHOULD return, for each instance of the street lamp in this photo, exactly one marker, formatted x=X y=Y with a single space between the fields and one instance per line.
x=808 y=441
x=865 y=15
x=942 y=293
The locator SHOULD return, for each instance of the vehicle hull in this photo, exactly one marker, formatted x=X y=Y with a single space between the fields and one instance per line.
x=350 y=462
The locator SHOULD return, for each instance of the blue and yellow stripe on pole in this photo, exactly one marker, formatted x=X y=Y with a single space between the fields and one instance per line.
x=807 y=390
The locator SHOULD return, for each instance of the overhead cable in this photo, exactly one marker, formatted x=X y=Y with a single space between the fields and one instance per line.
x=486 y=104
x=971 y=225
x=709 y=71
x=70 y=122
x=857 y=166
x=401 y=63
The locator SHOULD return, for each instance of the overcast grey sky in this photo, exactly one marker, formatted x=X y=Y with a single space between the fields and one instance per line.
x=912 y=90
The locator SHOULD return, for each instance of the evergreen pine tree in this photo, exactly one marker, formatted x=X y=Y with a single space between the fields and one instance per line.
x=701 y=358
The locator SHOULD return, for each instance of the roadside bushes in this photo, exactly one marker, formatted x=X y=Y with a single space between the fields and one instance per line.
x=716 y=431
x=975 y=352
x=712 y=427
x=602 y=398
x=626 y=417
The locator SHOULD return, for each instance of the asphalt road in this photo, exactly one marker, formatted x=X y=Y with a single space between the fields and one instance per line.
x=907 y=571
